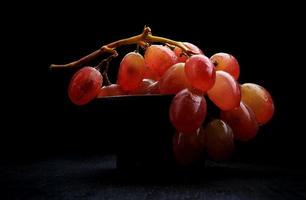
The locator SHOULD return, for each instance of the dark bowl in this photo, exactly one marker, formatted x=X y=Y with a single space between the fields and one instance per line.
x=138 y=128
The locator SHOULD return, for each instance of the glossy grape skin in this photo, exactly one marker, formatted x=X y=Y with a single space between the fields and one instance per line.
x=192 y=47
x=143 y=87
x=188 y=148
x=242 y=121
x=226 y=62
x=174 y=80
x=131 y=70
x=226 y=92
x=187 y=111
x=200 y=72
x=85 y=85
x=159 y=58
x=259 y=100
x=154 y=88
x=151 y=74
x=111 y=90
x=219 y=140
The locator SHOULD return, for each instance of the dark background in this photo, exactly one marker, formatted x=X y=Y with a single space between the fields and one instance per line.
x=40 y=120
x=51 y=149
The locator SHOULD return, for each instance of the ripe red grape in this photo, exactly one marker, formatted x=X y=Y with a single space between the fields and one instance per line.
x=226 y=91
x=159 y=58
x=200 y=72
x=219 y=140
x=187 y=111
x=85 y=85
x=154 y=88
x=111 y=90
x=188 y=148
x=182 y=58
x=151 y=74
x=243 y=122
x=143 y=87
x=131 y=70
x=259 y=100
x=226 y=62
x=174 y=80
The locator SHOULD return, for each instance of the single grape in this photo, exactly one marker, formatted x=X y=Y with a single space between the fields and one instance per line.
x=85 y=85
x=174 y=80
x=110 y=90
x=131 y=70
x=226 y=62
x=219 y=140
x=151 y=74
x=226 y=91
x=154 y=88
x=159 y=58
x=188 y=148
x=181 y=57
x=143 y=87
x=243 y=122
x=187 y=111
x=200 y=72
x=259 y=100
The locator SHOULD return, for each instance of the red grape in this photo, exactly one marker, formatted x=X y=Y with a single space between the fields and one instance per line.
x=200 y=72
x=132 y=68
x=174 y=80
x=143 y=87
x=243 y=122
x=151 y=74
x=85 y=85
x=227 y=63
x=111 y=90
x=182 y=58
x=188 y=148
x=259 y=100
x=187 y=111
x=226 y=91
x=159 y=58
x=154 y=88
x=219 y=140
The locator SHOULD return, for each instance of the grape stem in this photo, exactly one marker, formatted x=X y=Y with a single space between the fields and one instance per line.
x=143 y=40
x=103 y=68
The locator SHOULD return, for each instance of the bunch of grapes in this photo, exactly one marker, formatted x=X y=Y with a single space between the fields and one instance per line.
x=193 y=79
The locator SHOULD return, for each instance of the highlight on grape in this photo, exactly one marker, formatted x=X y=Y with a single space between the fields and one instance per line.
x=183 y=70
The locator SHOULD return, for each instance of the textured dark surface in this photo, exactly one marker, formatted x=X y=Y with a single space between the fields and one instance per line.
x=95 y=177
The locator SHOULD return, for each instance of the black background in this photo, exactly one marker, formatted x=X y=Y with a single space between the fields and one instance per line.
x=40 y=120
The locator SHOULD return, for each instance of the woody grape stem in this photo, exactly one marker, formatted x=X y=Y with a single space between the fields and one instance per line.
x=142 y=39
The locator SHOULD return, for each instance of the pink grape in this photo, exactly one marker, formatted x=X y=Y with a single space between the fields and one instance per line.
x=259 y=100
x=226 y=62
x=151 y=74
x=243 y=122
x=182 y=58
x=159 y=58
x=111 y=90
x=85 y=85
x=226 y=91
x=144 y=87
x=187 y=111
x=174 y=80
x=154 y=88
x=200 y=72
x=131 y=70
x=219 y=140
x=189 y=148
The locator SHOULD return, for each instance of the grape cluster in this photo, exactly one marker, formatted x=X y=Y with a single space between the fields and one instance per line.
x=193 y=79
